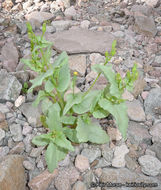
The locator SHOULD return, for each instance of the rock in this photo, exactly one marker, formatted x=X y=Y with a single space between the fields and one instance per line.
x=16 y=132
x=125 y=176
x=65 y=162
x=81 y=41
x=150 y=165
x=70 y=12
x=85 y=24
x=139 y=86
x=119 y=156
x=127 y=96
x=4 y=125
x=114 y=134
x=138 y=133
x=28 y=165
x=152 y=102
x=102 y=162
x=158 y=60
x=31 y=113
x=36 y=151
x=156 y=147
x=43 y=180
x=107 y=153
x=119 y=34
x=50 y=29
x=92 y=154
x=2 y=116
x=135 y=111
x=96 y=58
x=2 y=134
x=81 y=163
x=10 y=87
x=19 y=101
x=61 y=25
x=26 y=129
x=155 y=131
x=18 y=149
x=88 y=178
x=150 y=152
x=10 y=56
x=98 y=172
x=66 y=177
x=4 y=150
x=4 y=109
x=78 y=63
x=130 y=163
x=40 y=17
x=27 y=142
x=79 y=185
x=12 y=173
x=152 y=3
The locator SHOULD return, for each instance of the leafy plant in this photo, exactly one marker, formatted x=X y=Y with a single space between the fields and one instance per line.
x=25 y=88
x=68 y=117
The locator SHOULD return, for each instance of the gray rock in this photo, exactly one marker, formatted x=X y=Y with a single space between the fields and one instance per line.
x=158 y=59
x=155 y=131
x=35 y=152
x=50 y=29
x=4 y=150
x=16 y=132
x=92 y=154
x=79 y=185
x=10 y=87
x=27 y=142
x=28 y=165
x=70 y=12
x=152 y=3
x=135 y=111
x=85 y=24
x=150 y=165
x=88 y=178
x=119 y=34
x=31 y=113
x=4 y=109
x=61 y=25
x=65 y=162
x=2 y=134
x=102 y=162
x=152 y=102
x=125 y=176
x=156 y=147
x=107 y=153
x=138 y=133
x=130 y=163
x=81 y=41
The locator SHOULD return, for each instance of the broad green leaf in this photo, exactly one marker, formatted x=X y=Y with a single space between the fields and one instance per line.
x=100 y=113
x=53 y=119
x=53 y=155
x=119 y=112
x=41 y=140
x=64 y=76
x=45 y=104
x=60 y=59
x=110 y=76
x=72 y=100
x=71 y=134
x=38 y=80
x=90 y=132
x=87 y=103
x=41 y=96
x=68 y=120
x=49 y=86
x=61 y=141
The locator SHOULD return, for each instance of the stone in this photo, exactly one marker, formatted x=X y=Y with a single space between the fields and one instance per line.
x=88 y=178
x=2 y=134
x=152 y=3
x=114 y=134
x=4 y=125
x=36 y=151
x=152 y=102
x=27 y=142
x=2 y=116
x=31 y=113
x=139 y=86
x=150 y=152
x=107 y=152
x=102 y=162
x=85 y=24
x=61 y=25
x=50 y=29
x=156 y=147
x=150 y=165
x=28 y=165
x=26 y=129
x=10 y=87
x=158 y=59
x=125 y=176
x=43 y=180
x=78 y=63
x=39 y=16
x=119 y=34
x=138 y=133
x=18 y=149
x=98 y=172
x=12 y=173
x=19 y=101
x=4 y=109
x=135 y=111
x=92 y=154
x=119 y=156
x=81 y=163
x=130 y=163
x=155 y=131
x=10 y=56
x=96 y=58
x=66 y=177
x=16 y=132
x=79 y=185
x=4 y=150
x=81 y=41
x=70 y=12
x=127 y=96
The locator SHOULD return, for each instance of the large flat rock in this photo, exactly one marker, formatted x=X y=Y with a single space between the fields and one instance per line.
x=81 y=41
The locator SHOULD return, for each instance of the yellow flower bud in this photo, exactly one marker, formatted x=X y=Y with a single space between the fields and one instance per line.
x=75 y=73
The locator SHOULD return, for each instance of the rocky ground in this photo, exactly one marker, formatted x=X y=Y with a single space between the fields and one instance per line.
x=85 y=32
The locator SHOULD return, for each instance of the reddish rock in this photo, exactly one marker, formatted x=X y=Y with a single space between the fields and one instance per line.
x=12 y=173
x=2 y=116
x=42 y=181
x=4 y=125
x=18 y=149
x=82 y=163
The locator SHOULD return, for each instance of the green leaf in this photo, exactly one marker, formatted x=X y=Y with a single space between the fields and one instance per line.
x=41 y=96
x=64 y=76
x=68 y=120
x=90 y=132
x=38 y=80
x=41 y=140
x=49 y=86
x=119 y=111
x=100 y=113
x=72 y=100
x=87 y=103
x=62 y=142
x=110 y=76
x=53 y=155
x=63 y=56
x=71 y=134
x=53 y=119
x=45 y=104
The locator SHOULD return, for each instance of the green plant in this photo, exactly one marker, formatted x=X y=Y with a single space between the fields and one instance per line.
x=25 y=88
x=68 y=116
